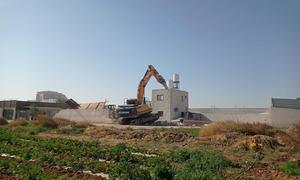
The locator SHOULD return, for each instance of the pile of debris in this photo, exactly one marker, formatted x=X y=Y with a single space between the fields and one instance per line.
x=168 y=136
x=259 y=142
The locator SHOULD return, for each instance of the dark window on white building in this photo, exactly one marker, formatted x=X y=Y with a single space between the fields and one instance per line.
x=160 y=97
x=160 y=113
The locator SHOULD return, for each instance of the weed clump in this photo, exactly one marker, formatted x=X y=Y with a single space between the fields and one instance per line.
x=45 y=121
x=232 y=126
x=18 y=122
x=292 y=168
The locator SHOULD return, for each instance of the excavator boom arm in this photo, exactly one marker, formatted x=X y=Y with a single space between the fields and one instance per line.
x=151 y=71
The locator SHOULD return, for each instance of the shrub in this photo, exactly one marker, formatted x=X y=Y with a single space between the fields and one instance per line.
x=45 y=121
x=3 y=121
x=18 y=122
x=164 y=172
x=292 y=168
x=231 y=126
x=200 y=164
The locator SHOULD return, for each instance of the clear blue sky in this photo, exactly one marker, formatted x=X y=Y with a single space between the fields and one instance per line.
x=228 y=53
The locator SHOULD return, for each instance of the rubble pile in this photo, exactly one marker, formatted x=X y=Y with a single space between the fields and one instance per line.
x=168 y=136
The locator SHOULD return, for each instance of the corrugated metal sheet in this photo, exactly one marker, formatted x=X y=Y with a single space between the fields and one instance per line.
x=93 y=106
x=286 y=103
x=73 y=104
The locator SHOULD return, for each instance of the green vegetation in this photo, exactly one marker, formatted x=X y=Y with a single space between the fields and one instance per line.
x=200 y=164
x=26 y=170
x=29 y=129
x=118 y=161
x=18 y=122
x=292 y=168
x=192 y=131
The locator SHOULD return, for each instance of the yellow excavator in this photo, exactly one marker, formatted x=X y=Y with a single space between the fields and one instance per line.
x=137 y=111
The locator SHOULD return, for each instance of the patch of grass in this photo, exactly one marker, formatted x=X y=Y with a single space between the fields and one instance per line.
x=27 y=171
x=232 y=126
x=192 y=131
x=30 y=128
x=18 y=122
x=70 y=130
x=292 y=168
x=3 y=121
x=200 y=164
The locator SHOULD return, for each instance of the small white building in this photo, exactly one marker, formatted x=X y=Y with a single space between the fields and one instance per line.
x=170 y=103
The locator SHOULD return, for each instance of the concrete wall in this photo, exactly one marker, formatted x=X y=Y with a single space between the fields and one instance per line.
x=85 y=115
x=1 y=112
x=164 y=105
x=261 y=115
x=175 y=102
x=284 y=117
x=179 y=103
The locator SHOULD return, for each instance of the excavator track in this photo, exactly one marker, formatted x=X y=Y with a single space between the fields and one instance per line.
x=146 y=119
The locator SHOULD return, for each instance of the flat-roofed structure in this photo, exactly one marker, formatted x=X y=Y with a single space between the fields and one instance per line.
x=13 y=109
x=170 y=103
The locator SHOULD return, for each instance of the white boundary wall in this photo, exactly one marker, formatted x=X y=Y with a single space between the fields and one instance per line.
x=284 y=117
x=85 y=115
x=261 y=115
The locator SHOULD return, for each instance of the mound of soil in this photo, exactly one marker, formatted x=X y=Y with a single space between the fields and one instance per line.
x=257 y=142
x=286 y=140
x=225 y=139
x=168 y=136
x=266 y=172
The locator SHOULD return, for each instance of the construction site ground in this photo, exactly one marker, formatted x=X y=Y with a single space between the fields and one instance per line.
x=274 y=150
x=255 y=156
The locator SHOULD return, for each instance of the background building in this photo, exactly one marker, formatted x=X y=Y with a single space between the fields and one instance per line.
x=50 y=97
x=14 y=109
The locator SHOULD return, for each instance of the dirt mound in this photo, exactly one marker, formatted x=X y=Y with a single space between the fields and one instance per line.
x=265 y=172
x=225 y=139
x=294 y=131
x=257 y=142
x=286 y=140
x=168 y=136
